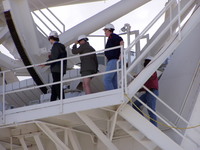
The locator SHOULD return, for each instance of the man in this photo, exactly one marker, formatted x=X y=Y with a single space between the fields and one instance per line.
x=110 y=79
x=149 y=99
x=57 y=52
x=89 y=63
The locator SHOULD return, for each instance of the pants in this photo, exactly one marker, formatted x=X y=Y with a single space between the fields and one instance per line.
x=55 y=89
x=150 y=100
x=110 y=79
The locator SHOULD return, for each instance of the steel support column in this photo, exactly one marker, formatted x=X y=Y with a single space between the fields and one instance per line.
x=52 y=136
x=97 y=131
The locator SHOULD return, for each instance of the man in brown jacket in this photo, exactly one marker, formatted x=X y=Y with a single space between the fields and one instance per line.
x=89 y=63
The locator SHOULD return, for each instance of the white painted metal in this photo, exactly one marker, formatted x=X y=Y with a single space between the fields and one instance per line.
x=51 y=3
x=97 y=131
x=74 y=141
x=38 y=142
x=52 y=136
x=23 y=143
x=80 y=103
x=99 y=20
x=160 y=57
x=27 y=31
x=1 y=147
x=183 y=74
x=66 y=139
x=104 y=99
x=137 y=135
x=113 y=125
x=146 y=128
x=193 y=134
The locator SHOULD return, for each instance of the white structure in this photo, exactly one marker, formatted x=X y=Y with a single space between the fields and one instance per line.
x=102 y=120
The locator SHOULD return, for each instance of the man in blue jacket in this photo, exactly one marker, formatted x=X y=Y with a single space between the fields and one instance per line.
x=110 y=79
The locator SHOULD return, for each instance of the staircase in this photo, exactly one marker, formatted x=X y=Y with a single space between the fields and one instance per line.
x=105 y=118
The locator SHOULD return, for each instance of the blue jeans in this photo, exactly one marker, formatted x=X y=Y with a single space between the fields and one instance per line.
x=110 y=79
x=150 y=100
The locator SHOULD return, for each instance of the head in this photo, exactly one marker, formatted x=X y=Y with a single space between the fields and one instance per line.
x=109 y=29
x=82 y=39
x=147 y=61
x=53 y=37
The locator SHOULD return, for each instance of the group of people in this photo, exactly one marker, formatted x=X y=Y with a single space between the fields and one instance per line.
x=89 y=66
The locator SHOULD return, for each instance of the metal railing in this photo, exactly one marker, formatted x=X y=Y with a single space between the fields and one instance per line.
x=48 y=24
x=169 y=27
x=4 y=93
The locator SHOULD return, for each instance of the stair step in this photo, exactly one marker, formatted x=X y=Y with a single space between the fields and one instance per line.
x=137 y=135
x=148 y=144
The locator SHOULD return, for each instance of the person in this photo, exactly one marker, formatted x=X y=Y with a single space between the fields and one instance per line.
x=110 y=79
x=57 y=52
x=89 y=63
x=147 y=98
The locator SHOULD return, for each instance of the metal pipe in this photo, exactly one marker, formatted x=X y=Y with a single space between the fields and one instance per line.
x=99 y=20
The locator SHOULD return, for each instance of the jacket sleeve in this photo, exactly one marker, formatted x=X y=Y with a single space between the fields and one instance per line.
x=78 y=50
x=55 y=52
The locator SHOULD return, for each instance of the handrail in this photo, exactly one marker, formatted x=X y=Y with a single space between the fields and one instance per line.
x=148 y=49
x=51 y=22
x=4 y=92
x=162 y=119
x=138 y=60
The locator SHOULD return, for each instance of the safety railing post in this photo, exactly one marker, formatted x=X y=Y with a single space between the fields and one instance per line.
x=61 y=85
x=123 y=66
x=4 y=103
x=179 y=19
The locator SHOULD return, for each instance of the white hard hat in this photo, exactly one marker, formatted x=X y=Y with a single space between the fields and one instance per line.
x=54 y=34
x=149 y=58
x=82 y=37
x=109 y=26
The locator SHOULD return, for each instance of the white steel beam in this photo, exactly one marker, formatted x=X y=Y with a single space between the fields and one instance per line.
x=99 y=20
x=113 y=125
x=2 y=148
x=38 y=142
x=52 y=136
x=86 y=102
x=66 y=139
x=148 y=129
x=97 y=131
x=74 y=141
x=23 y=143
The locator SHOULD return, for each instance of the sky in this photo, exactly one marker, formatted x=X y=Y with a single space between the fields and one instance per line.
x=72 y=15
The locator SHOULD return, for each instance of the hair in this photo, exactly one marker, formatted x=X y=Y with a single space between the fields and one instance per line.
x=111 y=30
x=53 y=38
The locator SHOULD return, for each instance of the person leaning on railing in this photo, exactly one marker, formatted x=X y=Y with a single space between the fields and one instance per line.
x=110 y=79
x=148 y=98
x=89 y=63
x=57 y=52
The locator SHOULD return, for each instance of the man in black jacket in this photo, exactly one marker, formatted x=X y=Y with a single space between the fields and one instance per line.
x=57 y=52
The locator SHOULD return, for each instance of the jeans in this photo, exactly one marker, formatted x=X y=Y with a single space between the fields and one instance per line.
x=110 y=79
x=150 y=100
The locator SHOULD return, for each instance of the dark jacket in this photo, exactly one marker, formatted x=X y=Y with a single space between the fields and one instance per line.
x=57 y=52
x=89 y=62
x=113 y=40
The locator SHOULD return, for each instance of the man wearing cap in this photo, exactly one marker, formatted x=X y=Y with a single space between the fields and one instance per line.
x=148 y=98
x=57 y=52
x=110 y=79
x=89 y=63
